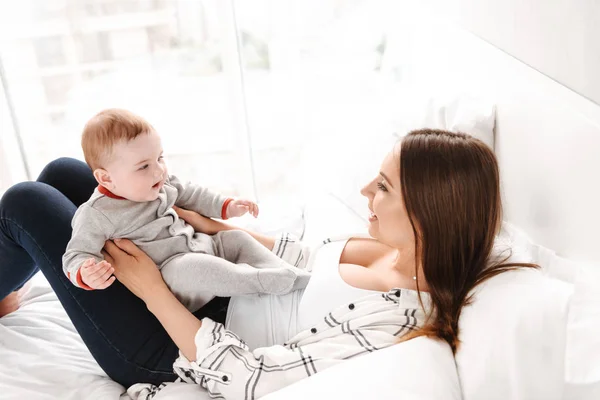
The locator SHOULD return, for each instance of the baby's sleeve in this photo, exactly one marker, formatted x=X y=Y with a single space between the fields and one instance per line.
x=91 y=229
x=199 y=199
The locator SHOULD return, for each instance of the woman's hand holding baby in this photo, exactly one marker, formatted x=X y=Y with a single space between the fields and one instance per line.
x=97 y=275
x=134 y=269
x=237 y=208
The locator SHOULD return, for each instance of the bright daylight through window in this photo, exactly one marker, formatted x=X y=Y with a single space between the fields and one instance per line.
x=249 y=96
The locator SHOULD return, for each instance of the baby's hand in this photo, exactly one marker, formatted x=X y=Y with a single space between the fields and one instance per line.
x=237 y=208
x=97 y=275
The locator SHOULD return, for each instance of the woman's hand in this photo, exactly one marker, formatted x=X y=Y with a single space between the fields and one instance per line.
x=134 y=269
x=200 y=223
x=137 y=271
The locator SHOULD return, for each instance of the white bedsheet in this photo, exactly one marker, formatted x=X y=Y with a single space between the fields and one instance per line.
x=42 y=355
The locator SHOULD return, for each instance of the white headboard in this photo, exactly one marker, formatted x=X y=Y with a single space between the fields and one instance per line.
x=547 y=137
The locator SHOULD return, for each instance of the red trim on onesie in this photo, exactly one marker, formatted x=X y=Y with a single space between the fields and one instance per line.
x=224 y=209
x=79 y=280
x=108 y=193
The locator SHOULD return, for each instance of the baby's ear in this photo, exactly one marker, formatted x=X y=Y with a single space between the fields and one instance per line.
x=103 y=178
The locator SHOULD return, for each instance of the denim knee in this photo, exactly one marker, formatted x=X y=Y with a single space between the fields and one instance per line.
x=59 y=168
x=19 y=196
x=73 y=178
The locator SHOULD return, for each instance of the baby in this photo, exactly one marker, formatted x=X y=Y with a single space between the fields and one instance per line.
x=134 y=200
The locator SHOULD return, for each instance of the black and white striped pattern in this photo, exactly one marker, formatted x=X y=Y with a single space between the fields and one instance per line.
x=226 y=368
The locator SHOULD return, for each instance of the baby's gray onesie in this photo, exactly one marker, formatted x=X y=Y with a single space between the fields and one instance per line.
x=186 y=258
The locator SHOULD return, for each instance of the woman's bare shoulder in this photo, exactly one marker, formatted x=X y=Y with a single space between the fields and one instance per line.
x=363 y=251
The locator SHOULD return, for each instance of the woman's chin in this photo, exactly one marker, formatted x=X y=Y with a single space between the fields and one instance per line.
x=373 y=231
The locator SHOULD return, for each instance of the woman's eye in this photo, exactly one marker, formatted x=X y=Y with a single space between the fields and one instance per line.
x=144 y=167
x=161 y=158
x=381 y=186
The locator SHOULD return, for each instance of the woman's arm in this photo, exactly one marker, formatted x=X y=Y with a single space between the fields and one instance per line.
x=135 y=270
x=210 y=226
x=178 y=321
x=285 y=246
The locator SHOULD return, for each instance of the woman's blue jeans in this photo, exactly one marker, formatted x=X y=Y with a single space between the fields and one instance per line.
x=126 y=340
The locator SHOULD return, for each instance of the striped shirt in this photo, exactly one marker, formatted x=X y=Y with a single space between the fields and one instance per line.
x=228 y=369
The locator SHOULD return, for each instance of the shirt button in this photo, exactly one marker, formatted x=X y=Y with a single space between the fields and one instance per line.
x=397 y=293
x=313 y=330
x=224 y=378
x=351 y=306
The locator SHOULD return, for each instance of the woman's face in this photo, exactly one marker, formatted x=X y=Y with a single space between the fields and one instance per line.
x=388 y=221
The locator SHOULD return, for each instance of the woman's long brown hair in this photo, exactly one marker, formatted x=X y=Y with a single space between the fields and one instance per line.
x=451 y=188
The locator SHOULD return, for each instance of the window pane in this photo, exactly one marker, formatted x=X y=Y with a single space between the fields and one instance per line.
x=313 y=84
x=49 y=51
x=11 y=163
x=65 y=60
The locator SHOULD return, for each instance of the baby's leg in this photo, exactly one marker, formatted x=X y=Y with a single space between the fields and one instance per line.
x=241 y=248
x=195 y=278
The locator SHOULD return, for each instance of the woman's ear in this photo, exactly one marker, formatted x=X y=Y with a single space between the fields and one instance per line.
x=103 y=178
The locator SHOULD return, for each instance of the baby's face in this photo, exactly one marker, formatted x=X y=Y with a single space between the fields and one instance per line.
x=137 y=169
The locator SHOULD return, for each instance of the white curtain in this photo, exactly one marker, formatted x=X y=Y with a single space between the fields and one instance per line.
x=11 y=163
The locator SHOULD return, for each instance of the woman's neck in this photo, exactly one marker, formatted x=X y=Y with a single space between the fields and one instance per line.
x=405 y=263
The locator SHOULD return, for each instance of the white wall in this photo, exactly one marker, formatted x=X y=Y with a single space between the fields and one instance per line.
x=560 y=38
x=547 y=137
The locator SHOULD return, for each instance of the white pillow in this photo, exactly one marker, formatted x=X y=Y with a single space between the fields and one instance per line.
x=582 y=353
x=582 y=347
x=419 y=369
x=513 y=338
x=445 y=109
x=532 y=334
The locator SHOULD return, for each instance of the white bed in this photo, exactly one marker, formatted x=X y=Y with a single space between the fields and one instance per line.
x=547 y=139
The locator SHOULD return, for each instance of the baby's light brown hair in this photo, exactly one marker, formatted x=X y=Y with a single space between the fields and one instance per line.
x=107 y=128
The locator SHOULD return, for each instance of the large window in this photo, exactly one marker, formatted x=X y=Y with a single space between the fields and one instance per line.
x=250 y=96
